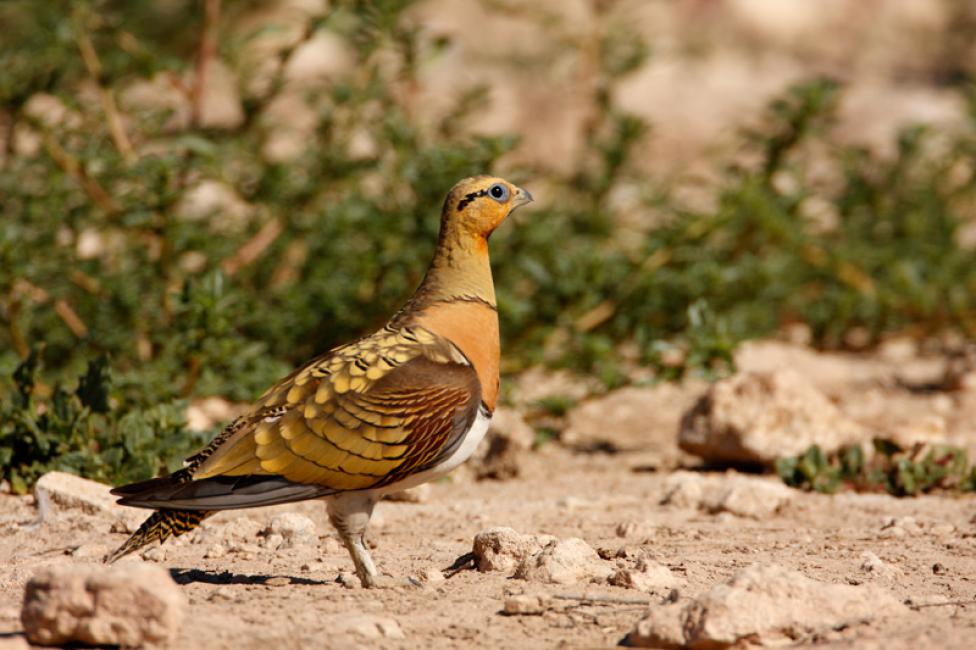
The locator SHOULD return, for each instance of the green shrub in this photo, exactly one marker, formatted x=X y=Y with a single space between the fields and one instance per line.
x=336 y=240
x=891 y=469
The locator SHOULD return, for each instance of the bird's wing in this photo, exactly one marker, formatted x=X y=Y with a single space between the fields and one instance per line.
x=364 y=415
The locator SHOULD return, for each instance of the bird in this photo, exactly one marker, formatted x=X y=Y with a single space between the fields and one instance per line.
x=389 y=411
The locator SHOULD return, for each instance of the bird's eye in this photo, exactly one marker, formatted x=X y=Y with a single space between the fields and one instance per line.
x=498 y=192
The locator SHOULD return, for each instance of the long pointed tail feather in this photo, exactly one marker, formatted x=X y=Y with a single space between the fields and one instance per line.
x=161 y=525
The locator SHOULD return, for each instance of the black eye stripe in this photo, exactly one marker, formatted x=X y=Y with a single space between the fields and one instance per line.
x=468 y=198
x=497 y=191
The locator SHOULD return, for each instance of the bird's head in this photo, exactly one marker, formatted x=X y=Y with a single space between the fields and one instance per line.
x=477 y=205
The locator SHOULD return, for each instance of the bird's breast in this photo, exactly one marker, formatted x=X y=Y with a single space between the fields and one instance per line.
x=472 y=326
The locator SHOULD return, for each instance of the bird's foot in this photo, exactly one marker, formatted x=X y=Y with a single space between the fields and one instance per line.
x=372 y=581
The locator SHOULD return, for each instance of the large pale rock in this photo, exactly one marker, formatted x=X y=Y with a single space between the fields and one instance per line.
x=564 y=562
x=127 y=605
x=65 y=491
x=765 y=605
x=744 y=496
x=757 y=417
x=631 y=418
x=503 y=549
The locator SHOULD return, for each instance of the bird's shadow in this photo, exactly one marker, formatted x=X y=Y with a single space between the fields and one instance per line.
x=189 y=576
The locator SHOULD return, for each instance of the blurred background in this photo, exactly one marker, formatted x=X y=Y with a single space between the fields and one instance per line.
x=197 y=196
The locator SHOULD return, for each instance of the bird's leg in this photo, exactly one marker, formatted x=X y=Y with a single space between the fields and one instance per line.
x=349 y=512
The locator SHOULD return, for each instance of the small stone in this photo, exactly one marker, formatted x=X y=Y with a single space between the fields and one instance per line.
x=222 y=593
x=647 y=575
x=294 y=529
x=215 y=552
x=155 y=554
x=374 y=627
x=873 y=564
x=90 y=550
x=348 y=580
x=939 y=569
x=274 y=541
x=502 y=549
x=278 y=581
x=564 y=562
x=124 y=605
x=763 y=605
x=244 y=548
x=627 y=528
x=526 y=605
x=571 y=503
x=430 y=575
x=892 y=532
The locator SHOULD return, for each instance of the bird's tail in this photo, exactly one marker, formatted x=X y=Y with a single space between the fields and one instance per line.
x=161 y=525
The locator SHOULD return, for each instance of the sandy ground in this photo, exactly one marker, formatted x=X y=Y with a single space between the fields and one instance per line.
x=245 y=594
x=255 y=598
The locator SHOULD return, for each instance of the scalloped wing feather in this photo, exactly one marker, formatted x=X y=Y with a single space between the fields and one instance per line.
x=365 y=415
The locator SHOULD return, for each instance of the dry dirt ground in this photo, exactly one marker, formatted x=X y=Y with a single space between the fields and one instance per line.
x=243 y=594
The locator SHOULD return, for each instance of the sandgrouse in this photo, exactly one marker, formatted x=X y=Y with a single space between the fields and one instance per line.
x=390 y=411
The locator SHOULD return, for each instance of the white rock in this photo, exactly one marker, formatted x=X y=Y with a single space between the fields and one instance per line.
x=564 y=562
x=503 y=549
x=765 y=605
x=128 y=605
x=757 y=417
x=69 y=492
x=215 y=551
x=235 y=530
x=223 y=592
x=373 y=627
x=430 y=575
x=295 y=529
x=647 y=575
x=527 y=605
x=871 y=563
x=745 y=496
x=274 y=541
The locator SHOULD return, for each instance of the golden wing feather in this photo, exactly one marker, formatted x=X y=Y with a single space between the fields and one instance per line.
x=364 y=415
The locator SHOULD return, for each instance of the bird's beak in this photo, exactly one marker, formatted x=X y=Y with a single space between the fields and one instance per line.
x=522 y=197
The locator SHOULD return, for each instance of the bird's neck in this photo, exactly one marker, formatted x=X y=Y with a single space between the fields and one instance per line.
x=460 y=270
x=456 y=300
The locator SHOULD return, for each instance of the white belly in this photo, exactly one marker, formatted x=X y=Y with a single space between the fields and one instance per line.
x=463 y=452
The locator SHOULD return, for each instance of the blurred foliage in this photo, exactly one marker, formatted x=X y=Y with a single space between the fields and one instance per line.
x=891 y=469
x=97 y=258
x=80 y=431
